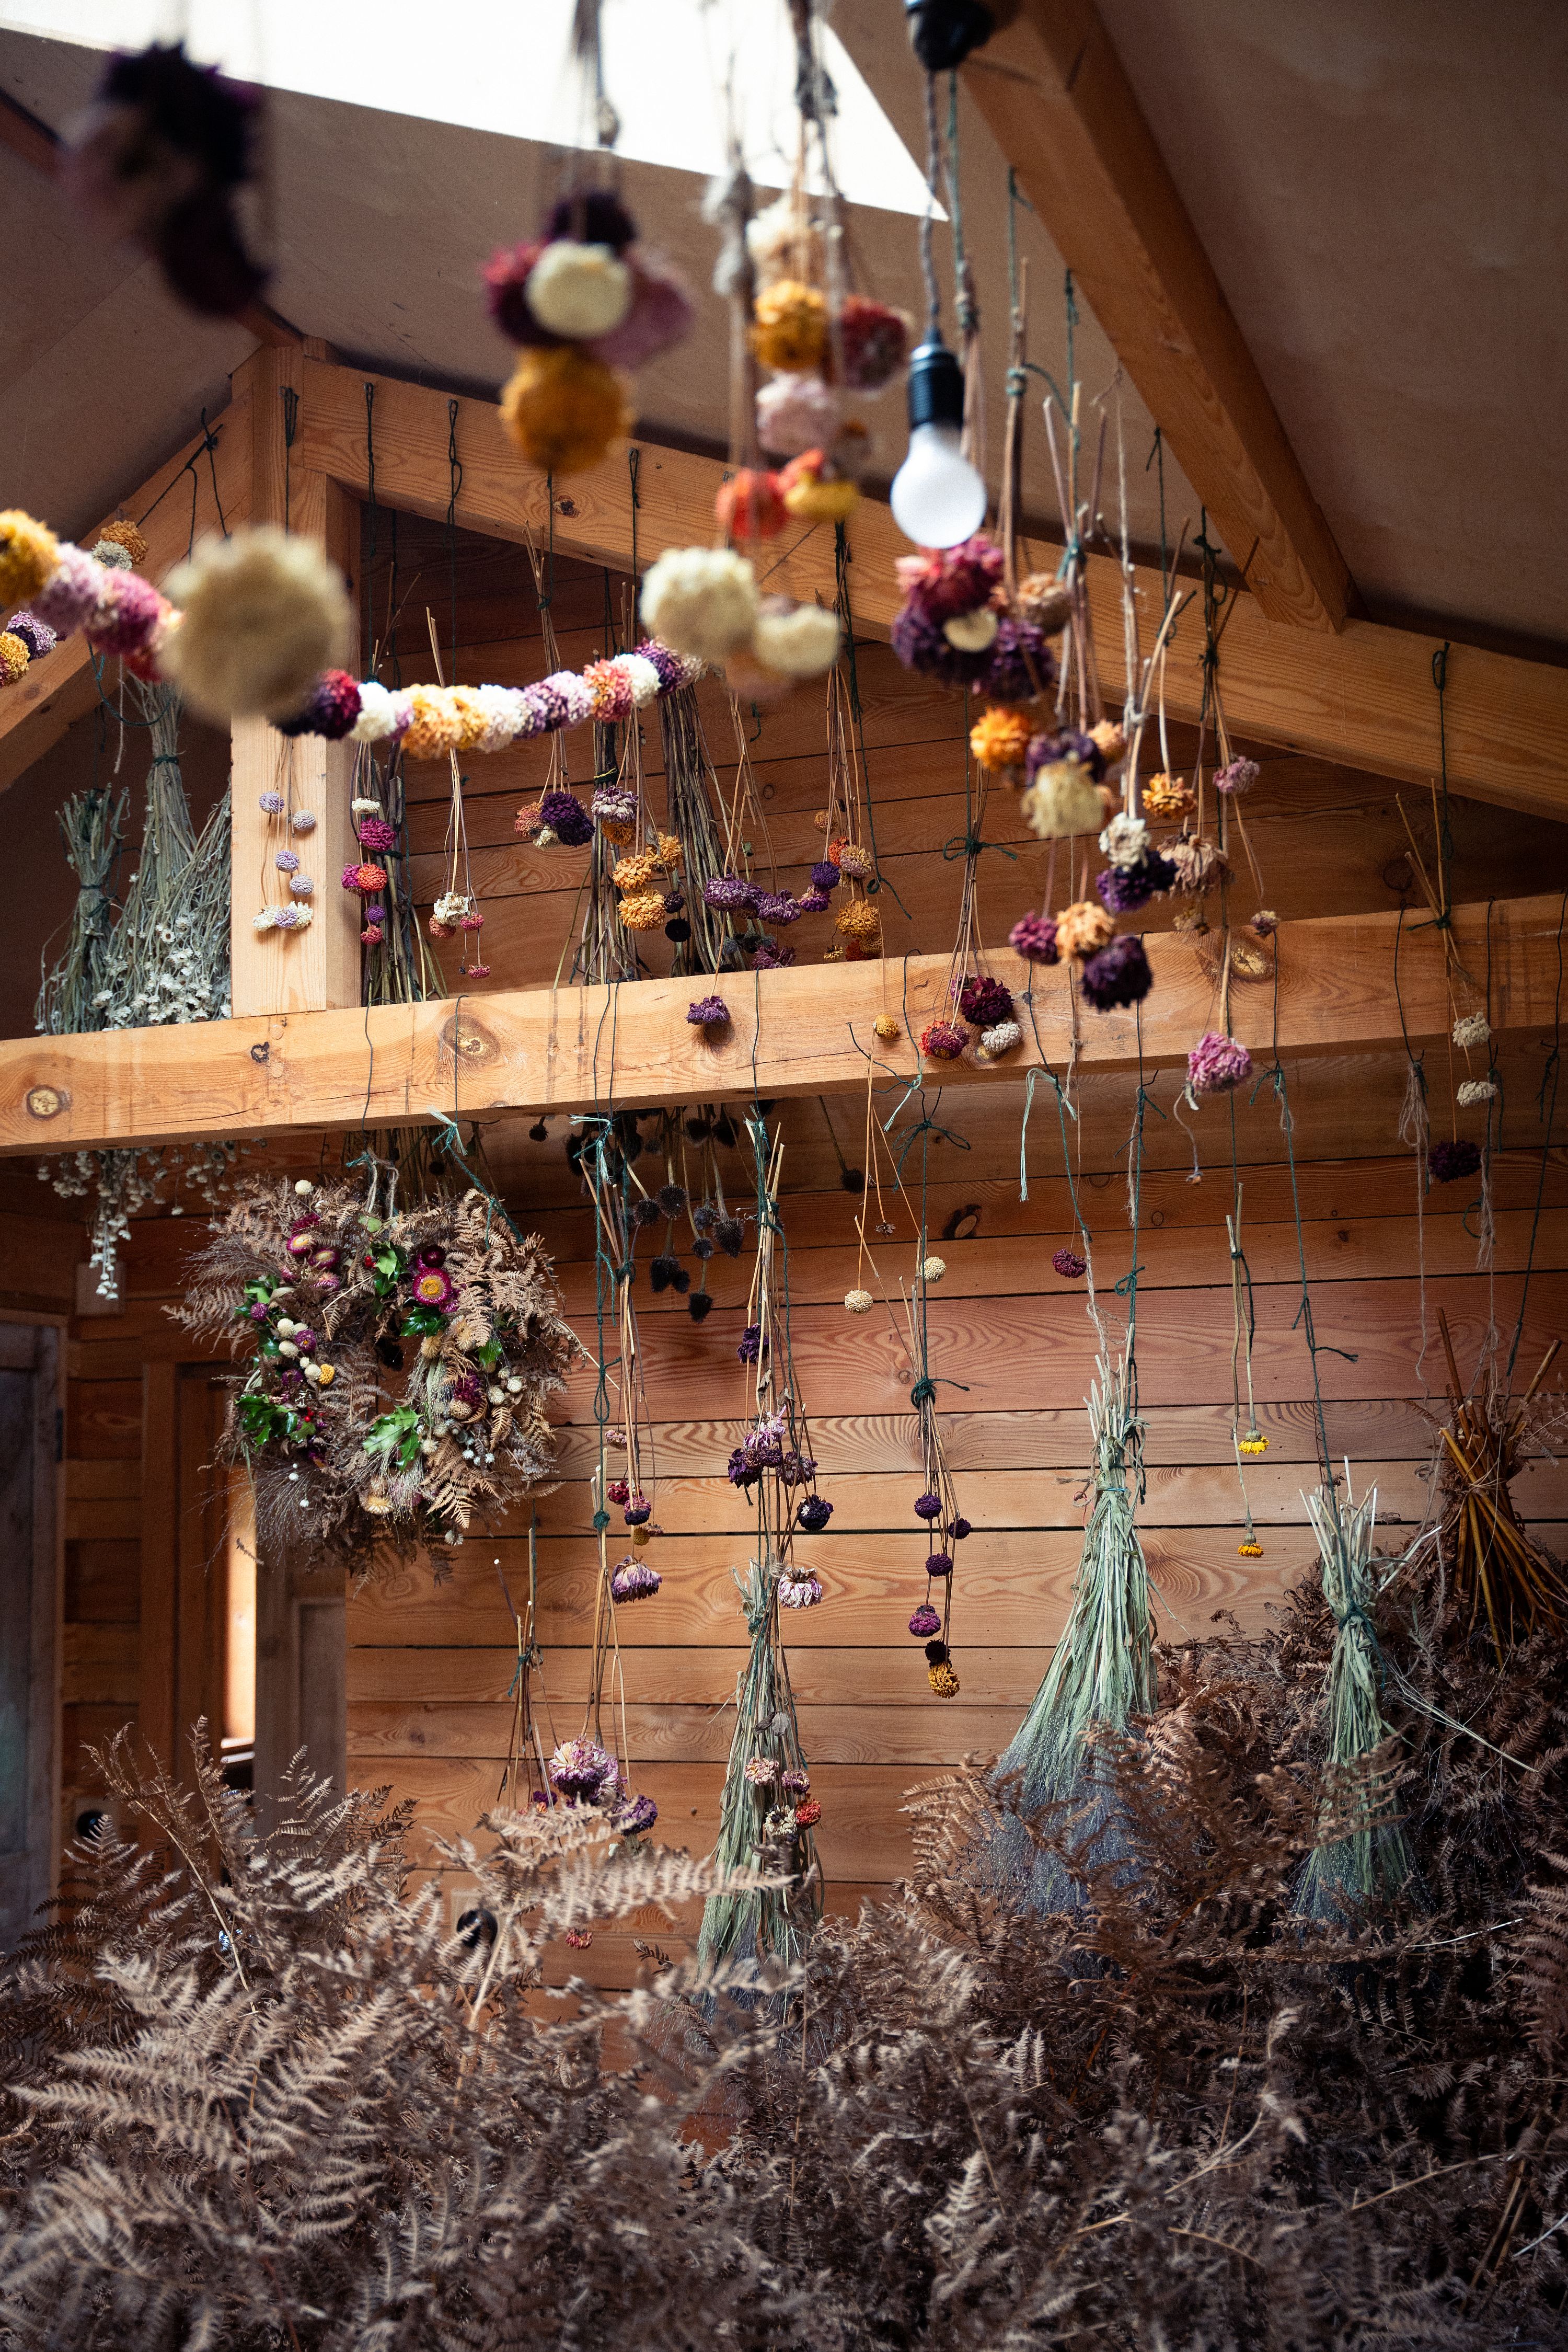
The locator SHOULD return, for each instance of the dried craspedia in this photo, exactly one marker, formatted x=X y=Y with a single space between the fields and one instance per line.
x=1082 y=928
x=858 y=1302
x=943 y=1041
x=790 y=327
x=28 y=555
x=1254 y=1442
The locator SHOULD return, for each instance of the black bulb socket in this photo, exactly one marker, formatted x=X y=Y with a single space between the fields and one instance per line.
x=943 y=33
x=935 y=385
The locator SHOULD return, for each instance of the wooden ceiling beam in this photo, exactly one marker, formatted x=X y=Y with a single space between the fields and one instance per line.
x=1362 y=699
x=515 y=1052
x=1053 y=92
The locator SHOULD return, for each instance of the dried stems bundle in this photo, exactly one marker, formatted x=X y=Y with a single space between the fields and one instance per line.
x=1496 y=1569
x=92 y=825
x=1101 y=1674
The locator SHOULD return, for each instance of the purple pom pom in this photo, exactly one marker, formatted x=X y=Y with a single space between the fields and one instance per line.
x=566 y=818
x=1071 y=744
x=1449 y=1161
x=709 y=1012
x=1033 y=937
x=825 y=875
x=985 y=1001
x=1216 y=1065
x=1124 y=888
x=814 y=1514
x=929 y=1506
x=1116 y=974
x=35 y=634
x=591 y=216
x=924 y=1621
x=1068 y=1264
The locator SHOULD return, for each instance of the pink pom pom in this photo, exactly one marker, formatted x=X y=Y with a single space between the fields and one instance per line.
x=68 y=598
x=661 y=315
x=1216 y=1065
x=129 y=616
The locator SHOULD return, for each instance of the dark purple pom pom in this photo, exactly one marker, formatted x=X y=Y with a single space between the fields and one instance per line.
x=1068 y=1263
x=936 y=1651
x=814 y=1514
x=1124 y=888
x=1033 y=937
x=929 y=1506
x=753 y=1346
x=958 y=1530
x=1117 y=974
x=662 y=1270
x=939 y=1563
x=591 y=216
x=566 y=818
x=699 y=1306
x=826 y=877
x=985 y=1001
x=645 y=1212
x=1449 y=1161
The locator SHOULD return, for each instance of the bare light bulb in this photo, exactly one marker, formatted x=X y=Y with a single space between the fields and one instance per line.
x=937 y=496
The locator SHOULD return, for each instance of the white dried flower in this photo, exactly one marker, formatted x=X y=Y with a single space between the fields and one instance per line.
x=1471 y=1091
x=932 y=1269
x=1471 y=1029
x=800 y=641
x=701 y=600
x=378 y=716
x=578 y=289
x=1125 y=839
x=859 y=1302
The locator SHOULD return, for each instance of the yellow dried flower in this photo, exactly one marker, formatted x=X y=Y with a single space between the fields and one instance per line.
x=672 y=856
x=886 y=1027
x=1167 y=796
x=1252 y=1550
x=790 y=327
x=641 y=1537
x=1253 y=1443
x=1000 y=737
x=614 y=830
x=858 y=920
x=1083 y=929
x=13 y=657
x=1109 y=740
x=943 y=1678
x=644 y=910
x=435 y=728
x=633 y=874
x=125 y=534
x=29 y=553
x=470 y=719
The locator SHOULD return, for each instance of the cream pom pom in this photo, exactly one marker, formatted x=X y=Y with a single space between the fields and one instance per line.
x=859 y=1302
x=1471 y=1029
x=701 y=600
x=578 y=289
x=1471 y=1091
x=1062 y=800
x=932 y=1269
x=1125 y=839
x=262 y=614
x=801 y=640
x=377 y=718
x=783 y=243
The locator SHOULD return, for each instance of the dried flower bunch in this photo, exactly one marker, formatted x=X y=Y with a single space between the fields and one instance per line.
x=325 y=1299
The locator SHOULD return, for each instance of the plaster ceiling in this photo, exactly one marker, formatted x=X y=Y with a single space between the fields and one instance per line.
x=1377 y=183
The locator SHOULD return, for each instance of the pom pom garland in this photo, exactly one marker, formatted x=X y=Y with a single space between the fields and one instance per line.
x=661 y=314
x=13 y=658
x=36 y=636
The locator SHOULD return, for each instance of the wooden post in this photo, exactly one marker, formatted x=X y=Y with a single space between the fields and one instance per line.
x=279 y=971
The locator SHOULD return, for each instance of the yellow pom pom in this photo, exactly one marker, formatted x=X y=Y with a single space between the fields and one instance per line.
x=469 y=715
x=564 y=410
x=790 y=329
x=28 y=553
x=436 y=726
x=886 y=1027
x=644 y=910
x=858 y=920
x=1083 y=929
x=1252 y=1550
x=13 y=657
x=1000 y=737
x=324 y=1375
x=125 y=534
x=1166 y=796
x=672 y=856
x=943 y=1678
x=817 y=497
x=641 y=1537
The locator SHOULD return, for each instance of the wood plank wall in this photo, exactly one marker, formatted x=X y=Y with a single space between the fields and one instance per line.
x=429 y=1670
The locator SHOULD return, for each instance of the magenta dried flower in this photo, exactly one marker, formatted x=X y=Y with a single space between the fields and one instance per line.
x=1115 y=974
x=1216 y=1065
x=940 y=583
x=617 y=1491
x=1237 y=776
x=753 y=1346
x=814 y=1514
x=377 y=834
x=742 y=1470
x=1033 y=937
x=1449 y=1161
x=929 y=1506
x=814 y=902
x=944 y=1041
x=985 y=1001
x=1046 y=750
x=1068 y=1264
x=924 y=1621
x=708 y=1012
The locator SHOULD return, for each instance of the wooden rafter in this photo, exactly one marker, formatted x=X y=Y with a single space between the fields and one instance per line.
x=1362 y=697
x=795 y=1032
x=1053 y=92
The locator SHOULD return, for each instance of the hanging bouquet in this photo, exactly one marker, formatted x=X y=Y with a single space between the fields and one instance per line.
x=325 y=1300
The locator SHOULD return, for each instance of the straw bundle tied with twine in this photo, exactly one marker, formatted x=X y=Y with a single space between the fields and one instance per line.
x=1481 y=1541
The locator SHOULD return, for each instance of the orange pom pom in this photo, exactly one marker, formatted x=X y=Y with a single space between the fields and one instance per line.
x=564 y=410
x=790 y=329
x=1000 y=737
x=814 y=491
x=749 y=506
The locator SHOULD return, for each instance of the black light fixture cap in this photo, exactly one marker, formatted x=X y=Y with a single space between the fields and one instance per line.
x=935 y=385
x=943 y=33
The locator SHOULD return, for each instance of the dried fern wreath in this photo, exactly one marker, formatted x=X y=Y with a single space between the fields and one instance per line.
x=398 y=1367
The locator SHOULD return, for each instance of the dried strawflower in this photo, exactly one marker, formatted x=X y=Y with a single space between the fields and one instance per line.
x=1471 y=1091
x=582 y=1769
x=1216 y=1065
x=873 y=338
x=799 y=1588
x=1471 y=1029
x=1167 y=796
x=983 y=1000
x=633 y=1580
x=790 y=326
x=943 y=1041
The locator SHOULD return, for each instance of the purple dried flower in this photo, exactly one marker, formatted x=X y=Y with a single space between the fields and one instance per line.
x=958 y=1530
x=638 y=1511
x=1449 y=1161
x=544 y=709
x=1033 y=937
x=1068 y=1264
x=771 y=957
x=1216 y=1065
x=799 y=1588
x=1238 y=776
x=924 y=1621
x=270 y=803
x=672 y=669
x=929 y=1506
x=753 y=1346
x=1045 y=751
x=742 y=1470
x=634 y=1819
x=730 y=893
x=814 y=902
x=940 y=583
x=709 y=1012
x=376 y=834
x=699 y=1306
x=814 y=1514
x=1116 y=974
x=797 y=1469
x=35 y=634
x=566 y=818
x=633 y=1580
x=581 y=1769
x=825 y=875
x=1125 y=888
x=1016 y=665
x=776 y=906
x=287 y=862
x=939 y=1563
x=985 y=1001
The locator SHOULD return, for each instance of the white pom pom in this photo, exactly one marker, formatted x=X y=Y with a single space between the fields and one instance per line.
x=1000 y=1039
x=932 y=1269
x=1125 y=839
x=1474 y=1090
x=859 y=1302
x=375 y=720
x=265 y=920
x=1471 y=1029
x=504 y=711
x=262 y=616
x=643 y=677
x=1062 y=800
x=800 y=642
x=701 y=600
x=578 y=289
